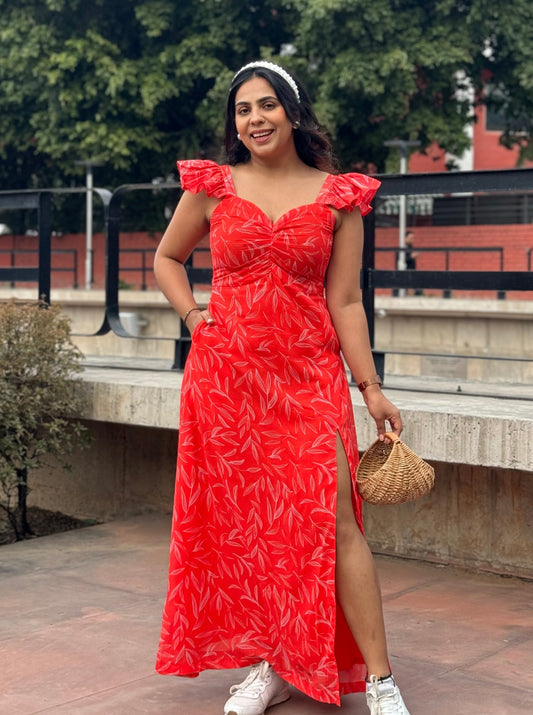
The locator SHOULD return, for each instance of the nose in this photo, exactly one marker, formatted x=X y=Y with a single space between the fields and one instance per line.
x=256 y=116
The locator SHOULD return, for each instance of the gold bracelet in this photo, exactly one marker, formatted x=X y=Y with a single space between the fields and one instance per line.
x=189 y=312
x=374 y=380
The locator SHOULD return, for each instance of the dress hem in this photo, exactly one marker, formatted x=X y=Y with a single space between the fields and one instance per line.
x=298 y=683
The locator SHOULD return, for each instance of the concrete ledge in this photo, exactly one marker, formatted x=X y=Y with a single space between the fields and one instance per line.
x=470 y=429
x=456 y=307
x=479 y=515
x=412 y=305
x=475 y=425
x=425 y=334
x=460 y=428
x=133 y=397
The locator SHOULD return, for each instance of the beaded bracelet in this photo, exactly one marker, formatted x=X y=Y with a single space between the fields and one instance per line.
x=189 y=312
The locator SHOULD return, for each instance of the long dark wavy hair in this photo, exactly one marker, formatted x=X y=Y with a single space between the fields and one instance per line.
x=311 y=142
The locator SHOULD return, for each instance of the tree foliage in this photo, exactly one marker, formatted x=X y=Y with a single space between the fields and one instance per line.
x=40 y=398
x=137 y=83
x=506 y=63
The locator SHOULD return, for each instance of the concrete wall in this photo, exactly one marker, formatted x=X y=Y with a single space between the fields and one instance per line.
x=411 y=324
x=477 y=517
x=457 y=327
x=155 y=319
x=126 y=469
x=481 y=512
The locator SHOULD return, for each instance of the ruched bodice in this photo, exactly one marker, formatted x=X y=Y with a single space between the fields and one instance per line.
x=246 y=243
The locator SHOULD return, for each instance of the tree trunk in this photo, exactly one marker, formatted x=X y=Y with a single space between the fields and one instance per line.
x=12 y=515
x=24 y=527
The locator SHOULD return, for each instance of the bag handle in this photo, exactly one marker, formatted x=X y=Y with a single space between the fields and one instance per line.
x=392 y=436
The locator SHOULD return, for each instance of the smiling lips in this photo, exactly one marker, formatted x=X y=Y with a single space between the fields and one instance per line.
x=262 y=135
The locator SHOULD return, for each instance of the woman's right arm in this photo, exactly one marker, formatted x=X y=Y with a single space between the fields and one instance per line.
x=189 y=224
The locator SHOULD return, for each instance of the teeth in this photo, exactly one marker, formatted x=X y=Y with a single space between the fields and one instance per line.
x=260 y=134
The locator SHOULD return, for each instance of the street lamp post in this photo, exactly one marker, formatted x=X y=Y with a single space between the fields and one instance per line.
x=89 y=164
x=403 y=145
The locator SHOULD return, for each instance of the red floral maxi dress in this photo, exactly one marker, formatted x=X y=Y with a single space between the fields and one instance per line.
x=264 y=393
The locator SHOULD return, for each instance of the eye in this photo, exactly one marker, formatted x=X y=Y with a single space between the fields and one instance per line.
x=242 y=110
x=269 y=105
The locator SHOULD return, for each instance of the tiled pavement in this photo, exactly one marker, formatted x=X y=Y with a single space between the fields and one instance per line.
x=80 y=612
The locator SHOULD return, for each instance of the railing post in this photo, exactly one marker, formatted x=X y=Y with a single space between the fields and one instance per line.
x=12 y=262
x=182 y=346
x=45 y=245
x=75 y=267
x=112 y=249
x=501 y=293
x=367 y=286
x=446 y=293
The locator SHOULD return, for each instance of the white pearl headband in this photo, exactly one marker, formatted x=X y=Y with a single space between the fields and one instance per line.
x=273 y=68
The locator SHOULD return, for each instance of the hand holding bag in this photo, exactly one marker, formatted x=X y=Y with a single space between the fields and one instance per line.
x=391 y=473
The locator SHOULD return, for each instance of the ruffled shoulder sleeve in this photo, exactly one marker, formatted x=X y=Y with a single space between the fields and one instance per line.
x=204 y=175
x=346 y=191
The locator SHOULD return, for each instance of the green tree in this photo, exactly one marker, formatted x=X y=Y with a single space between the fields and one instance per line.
x=385 y=70
x=137 y=83
x=505 y=63
x=398 y=69
x=124 y=82
x=40 y=399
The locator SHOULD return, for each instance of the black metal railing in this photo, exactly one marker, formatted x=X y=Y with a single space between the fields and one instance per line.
x=40 y=200
x=371 y=278
x=449 y=210
x=72 y=252
x=111 y=320
x=448 y=251
x=438 y=183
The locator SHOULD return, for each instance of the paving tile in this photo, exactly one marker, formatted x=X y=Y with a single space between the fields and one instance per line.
x=74 y=550
x=459 y=621
x=513 y=664
x=458 y=694
x=182 y=696
x=77 y=657
x=397 y=576
x=81 y=613
x=299 y=704
x=134 y=571
x=41 y=600
x=153 y=694
x=434 y=689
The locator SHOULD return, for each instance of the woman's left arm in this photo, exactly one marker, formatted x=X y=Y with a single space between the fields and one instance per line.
x=344 y=301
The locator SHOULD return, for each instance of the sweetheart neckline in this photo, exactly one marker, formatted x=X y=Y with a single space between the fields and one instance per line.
x=267 y=218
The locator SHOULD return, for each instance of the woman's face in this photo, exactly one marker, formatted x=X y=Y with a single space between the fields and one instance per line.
x=260 y=119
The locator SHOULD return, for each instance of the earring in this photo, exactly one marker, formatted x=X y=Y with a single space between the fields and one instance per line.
x=296 y=125
x=239 y=137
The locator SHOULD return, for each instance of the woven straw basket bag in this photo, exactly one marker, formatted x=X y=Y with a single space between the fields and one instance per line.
x=393 y=473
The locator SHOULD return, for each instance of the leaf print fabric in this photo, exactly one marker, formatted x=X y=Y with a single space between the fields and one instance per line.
x=252 y=561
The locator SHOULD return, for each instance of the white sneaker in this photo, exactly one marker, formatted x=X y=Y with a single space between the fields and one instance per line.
x=262 y=688
x=384 y=698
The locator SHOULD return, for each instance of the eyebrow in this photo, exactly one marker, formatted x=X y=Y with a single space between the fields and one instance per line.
x=259 y=100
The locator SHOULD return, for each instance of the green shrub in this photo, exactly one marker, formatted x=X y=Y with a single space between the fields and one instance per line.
x=41 y=396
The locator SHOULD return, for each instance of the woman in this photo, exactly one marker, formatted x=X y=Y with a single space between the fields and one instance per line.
x=268 y=563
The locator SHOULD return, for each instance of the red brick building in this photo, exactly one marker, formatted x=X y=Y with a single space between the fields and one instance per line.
x=486 y=151
x=494 y=222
